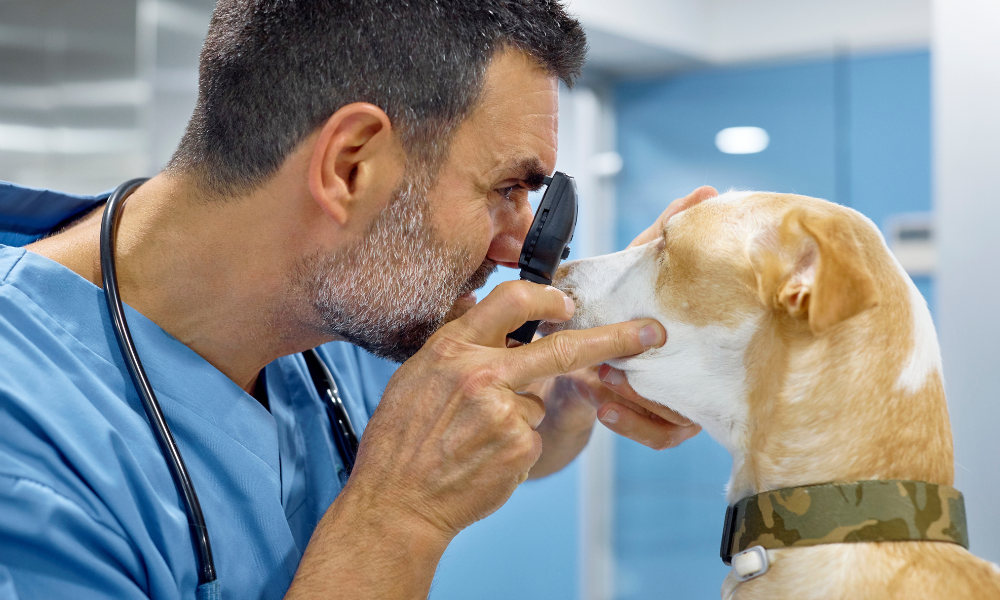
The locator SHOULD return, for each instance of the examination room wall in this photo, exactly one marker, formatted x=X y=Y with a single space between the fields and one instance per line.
x=854 y=130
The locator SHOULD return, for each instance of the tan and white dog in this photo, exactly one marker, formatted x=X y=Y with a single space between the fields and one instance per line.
x=797 y=341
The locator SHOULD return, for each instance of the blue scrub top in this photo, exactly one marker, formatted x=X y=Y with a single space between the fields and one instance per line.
x=88 y=508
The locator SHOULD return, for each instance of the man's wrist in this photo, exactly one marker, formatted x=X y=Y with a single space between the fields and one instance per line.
x=394 y=523
x=368 y=549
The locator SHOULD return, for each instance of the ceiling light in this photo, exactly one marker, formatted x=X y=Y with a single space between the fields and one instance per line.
x=742 y=140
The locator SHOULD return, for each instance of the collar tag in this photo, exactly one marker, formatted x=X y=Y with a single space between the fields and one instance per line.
x=750 y=563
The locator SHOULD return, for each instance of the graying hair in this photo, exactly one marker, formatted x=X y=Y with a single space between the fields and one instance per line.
x=272 y=71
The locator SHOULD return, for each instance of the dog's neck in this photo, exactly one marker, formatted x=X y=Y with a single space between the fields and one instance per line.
x=864 y=401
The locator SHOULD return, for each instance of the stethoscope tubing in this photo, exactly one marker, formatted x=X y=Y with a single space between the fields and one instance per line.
x=344 y=435
x=342 y=429
x=165 y=439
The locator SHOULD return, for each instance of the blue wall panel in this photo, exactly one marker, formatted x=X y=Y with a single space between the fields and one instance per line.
x=668 y=510
x=529 y=549
x=526 y=550
x=890 y=135
x=666 y=134
x=858 y=127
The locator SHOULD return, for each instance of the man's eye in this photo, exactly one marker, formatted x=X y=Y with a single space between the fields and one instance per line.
x=508 y=192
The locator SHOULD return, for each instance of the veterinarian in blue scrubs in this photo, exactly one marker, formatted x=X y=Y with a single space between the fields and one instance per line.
x=303 y=206
x=87 y=505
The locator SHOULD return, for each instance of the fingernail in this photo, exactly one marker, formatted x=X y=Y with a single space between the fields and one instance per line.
x=570 y=305
x=613 y=377
x=650 y=336
x=610 y=417
x=683 y=421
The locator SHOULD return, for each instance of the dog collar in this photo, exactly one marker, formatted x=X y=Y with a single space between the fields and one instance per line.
x=835 y=513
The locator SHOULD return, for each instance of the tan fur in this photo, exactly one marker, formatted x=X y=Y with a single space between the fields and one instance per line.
x=816 y=268
x=825 y=407
x=876 y=571
x=702 y=258
x=838 y=414
x=823 y=372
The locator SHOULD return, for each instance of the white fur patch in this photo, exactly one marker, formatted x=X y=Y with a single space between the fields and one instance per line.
x=925 y=357
x=699 y=372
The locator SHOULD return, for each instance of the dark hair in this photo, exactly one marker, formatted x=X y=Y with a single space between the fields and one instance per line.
x=272 y=71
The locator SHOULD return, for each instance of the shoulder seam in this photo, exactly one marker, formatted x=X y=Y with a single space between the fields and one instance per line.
x=3 y=279
x=55 y=492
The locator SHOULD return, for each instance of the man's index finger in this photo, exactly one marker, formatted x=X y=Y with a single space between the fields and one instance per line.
x=567 y=351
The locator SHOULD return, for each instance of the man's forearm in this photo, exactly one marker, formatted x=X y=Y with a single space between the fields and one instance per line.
x=360 y=553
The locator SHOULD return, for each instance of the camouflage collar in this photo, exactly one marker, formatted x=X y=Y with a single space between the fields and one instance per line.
x=833 y=513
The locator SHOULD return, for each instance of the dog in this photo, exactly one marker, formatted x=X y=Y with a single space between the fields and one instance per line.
x=799 y=343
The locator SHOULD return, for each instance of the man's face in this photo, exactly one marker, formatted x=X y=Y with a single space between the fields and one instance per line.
x=433 y=245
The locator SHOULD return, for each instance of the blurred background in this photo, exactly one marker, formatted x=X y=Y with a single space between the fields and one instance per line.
x=887 y=106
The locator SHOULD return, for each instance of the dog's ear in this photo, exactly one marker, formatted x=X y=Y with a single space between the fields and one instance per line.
x=812 y=266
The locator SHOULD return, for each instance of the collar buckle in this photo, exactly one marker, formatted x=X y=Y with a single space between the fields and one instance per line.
x=728 y=529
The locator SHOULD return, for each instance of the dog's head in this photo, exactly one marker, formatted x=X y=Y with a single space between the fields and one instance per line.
x=751 y=287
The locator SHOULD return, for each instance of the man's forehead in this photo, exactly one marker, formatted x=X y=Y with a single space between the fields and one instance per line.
x=516 y=117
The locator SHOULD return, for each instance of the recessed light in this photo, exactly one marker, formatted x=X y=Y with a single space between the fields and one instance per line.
x=742 y=140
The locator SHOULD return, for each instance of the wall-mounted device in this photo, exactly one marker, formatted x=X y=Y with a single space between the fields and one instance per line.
x=911 y=238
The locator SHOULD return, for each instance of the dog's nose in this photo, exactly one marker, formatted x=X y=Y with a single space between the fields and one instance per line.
x=546 y=327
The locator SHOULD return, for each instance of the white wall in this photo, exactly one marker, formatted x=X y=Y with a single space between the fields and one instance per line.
x=676 y=24
x=663 y=35
x=742 y=31
x=586 y=151
x=966 y=105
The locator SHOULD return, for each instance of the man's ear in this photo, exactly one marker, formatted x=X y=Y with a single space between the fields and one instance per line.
x=350 y=144
x=812 y=267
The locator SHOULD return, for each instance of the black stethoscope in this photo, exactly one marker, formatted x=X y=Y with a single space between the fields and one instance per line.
x=344 y=435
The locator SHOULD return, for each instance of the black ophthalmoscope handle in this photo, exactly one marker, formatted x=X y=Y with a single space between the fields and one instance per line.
x=158 y=423
x=525 y=333
x=547 y=242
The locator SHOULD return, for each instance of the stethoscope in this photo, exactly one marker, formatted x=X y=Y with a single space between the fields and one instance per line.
x=343 y=431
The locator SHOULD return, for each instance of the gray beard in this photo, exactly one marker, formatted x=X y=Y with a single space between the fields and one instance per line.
x=391 y=291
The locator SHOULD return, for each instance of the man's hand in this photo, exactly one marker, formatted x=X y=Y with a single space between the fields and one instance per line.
x=628 y=413
x=573 y=401
x=450 y=441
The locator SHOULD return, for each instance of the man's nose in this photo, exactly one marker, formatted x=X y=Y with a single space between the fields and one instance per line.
x=513 y=222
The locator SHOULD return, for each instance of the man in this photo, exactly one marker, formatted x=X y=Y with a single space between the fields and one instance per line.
x=353 y=171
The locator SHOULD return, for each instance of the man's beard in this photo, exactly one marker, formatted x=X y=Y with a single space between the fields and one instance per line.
x=392 y=290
